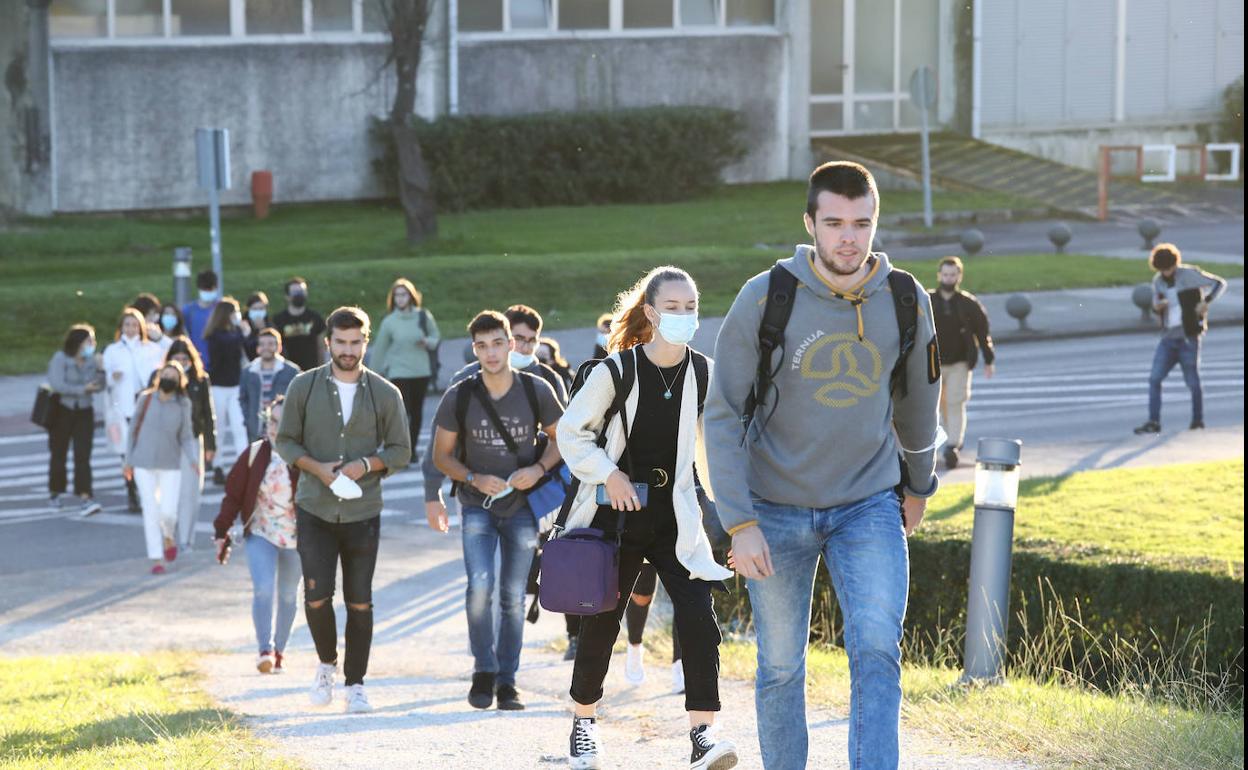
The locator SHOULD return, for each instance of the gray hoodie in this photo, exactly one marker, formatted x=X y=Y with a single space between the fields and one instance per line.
x=833 y=438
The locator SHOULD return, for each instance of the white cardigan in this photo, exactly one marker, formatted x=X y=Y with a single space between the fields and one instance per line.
x=578 y=431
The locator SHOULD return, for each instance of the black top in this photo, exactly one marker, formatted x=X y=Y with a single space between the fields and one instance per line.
x=950 y=331
x=301 y=336
x=225 y=349
x=961 y=329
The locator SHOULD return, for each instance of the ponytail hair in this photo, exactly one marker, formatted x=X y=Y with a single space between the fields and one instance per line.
x=629 y=325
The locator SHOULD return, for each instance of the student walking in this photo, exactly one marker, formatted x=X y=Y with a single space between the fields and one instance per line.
x=203 y=425
x=1181 y=296
x=195 y=315
x=224 y=336
x=265 y=379
x=161 y=439
x=487 y=441
x=171 y=322
x=149 y=306
x=963 y=334
x=128 y=365
x=260 y=491
x=75 y=375
x=301 y=327
x=646 y=397
x=550 y=354
x=406 y=341
x=344 y=427
x=256 y=321
x=821 y=429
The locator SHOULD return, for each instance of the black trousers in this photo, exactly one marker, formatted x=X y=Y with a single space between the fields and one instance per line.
x=413 y=390
x=76 y=426
x=636 y=615
x=691 y=603
x=322 y=545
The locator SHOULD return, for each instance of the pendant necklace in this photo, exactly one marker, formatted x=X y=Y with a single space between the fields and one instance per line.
x=667 y=389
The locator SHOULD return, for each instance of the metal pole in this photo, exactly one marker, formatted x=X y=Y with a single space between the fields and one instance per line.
x=927 y=158
x=181 y=275
x=992 y=538
x=214 y=232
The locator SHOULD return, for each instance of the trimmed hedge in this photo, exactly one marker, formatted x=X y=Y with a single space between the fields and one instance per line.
x=645 y=155
x=1118 y=602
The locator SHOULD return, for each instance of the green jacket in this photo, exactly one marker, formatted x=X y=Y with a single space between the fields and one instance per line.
x=399 y=350
x=312 y=425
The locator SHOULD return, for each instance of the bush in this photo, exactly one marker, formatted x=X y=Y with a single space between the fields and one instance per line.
x=646 y=155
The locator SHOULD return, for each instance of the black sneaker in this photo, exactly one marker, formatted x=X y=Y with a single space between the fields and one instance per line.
x=508 y=698
x=951 y=458
x=132 y=498
x=481 y=695
x=710 y=752
x=1148 y=427
x=570 y=653
x=584 y=750
x=1197 y=425
x=218 y=477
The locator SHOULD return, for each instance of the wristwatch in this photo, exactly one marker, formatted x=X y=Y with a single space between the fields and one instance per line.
x=468 y=479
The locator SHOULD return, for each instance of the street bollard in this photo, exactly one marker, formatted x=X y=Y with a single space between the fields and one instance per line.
x=1060 y=235
x=1142 y=297
x=992 y=543
x=182 y=275
x=1019 y=307
x=1148 y=229
x=972 y=241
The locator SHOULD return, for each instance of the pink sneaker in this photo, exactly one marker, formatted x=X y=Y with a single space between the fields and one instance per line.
x=277 y=663
x=158 y=569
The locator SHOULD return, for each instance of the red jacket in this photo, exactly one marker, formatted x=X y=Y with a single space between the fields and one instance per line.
x=243 y=484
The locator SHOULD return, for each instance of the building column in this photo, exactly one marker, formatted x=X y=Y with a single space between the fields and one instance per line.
x=793 y=18
x=25 y=124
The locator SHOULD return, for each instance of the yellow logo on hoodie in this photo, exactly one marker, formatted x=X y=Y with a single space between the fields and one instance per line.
x=854 y=369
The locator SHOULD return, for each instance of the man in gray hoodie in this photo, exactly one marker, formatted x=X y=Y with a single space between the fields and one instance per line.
x=817 y=469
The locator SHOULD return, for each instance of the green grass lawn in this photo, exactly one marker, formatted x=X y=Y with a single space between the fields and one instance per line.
x=567 y=262
x=117 y=711
x=1187 y=516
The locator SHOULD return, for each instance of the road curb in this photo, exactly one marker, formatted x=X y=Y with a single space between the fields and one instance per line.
x=1016 y=335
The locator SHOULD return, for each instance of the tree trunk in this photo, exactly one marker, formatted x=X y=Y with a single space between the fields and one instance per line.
x=415 y=185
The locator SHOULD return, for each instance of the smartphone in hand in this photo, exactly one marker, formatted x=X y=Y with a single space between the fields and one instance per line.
x=223 y=551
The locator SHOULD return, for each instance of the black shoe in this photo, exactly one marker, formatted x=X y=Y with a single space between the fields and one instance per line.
x=132 y=498
x=1148 y=427
x=570 y=654
x=508 y=698
x=218 y=477
x=481 y=696
x=951 y=458
x=710 y=752
x=584 y=748
x=1197 y=425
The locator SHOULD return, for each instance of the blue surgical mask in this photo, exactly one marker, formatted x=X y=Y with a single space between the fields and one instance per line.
x=678 y=329
x=206 y=295
x=521 y=361
x=87 y=350
x=169 y=322
x=257 y=316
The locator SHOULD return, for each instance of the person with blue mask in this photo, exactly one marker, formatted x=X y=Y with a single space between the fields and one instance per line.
x=254 y=321
x=75 y=374
x=195 y=314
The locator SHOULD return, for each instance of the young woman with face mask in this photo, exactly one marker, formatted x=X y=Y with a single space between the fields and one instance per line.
x=226 y=351
x=160 y=440
x=255 y=319
x=203 y=424
x=128 y=365
x=654 y=322
x=76 y=374
x=404 y=349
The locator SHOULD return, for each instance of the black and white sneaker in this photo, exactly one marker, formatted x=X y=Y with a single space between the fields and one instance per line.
x=710 y=752
x=89 y=508
x=1147 y=428
x=584 y=750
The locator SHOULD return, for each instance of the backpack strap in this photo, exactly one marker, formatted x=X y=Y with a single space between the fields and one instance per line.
x=701 y=371
x=530 y=393
x=906 y=303
x=423 y=318
x=781 y=296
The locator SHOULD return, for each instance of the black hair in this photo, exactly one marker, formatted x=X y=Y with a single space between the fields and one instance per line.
x=844 y=178
x=145 y=303
x=488 y=321
x=523 y=314
x=1164 y=256
x=347 y=318
x=206 y=280
x=77 y=334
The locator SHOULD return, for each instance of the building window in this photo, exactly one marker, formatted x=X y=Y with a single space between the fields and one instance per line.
x=78 y=18
x=192 y=18
x=554 y=16
x=331 y=15
x=751 y=13
x=140 y=19
x=584 y=14
x=648 y=14
x=274 y=17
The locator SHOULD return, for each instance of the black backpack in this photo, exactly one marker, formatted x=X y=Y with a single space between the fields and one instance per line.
x=624 y=380
x=781 y=294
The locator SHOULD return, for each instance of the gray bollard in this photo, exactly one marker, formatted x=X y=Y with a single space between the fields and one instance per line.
x=972 y=241
x=181 y=275
x=1142 y=296
x=992 y=547
x=1059 y=236
x=1019 y=307
x=1148 y=229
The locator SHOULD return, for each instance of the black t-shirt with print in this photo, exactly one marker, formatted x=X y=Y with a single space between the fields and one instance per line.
x=301 y=337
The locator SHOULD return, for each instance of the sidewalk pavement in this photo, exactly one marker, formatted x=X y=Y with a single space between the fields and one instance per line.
x=1054 y=315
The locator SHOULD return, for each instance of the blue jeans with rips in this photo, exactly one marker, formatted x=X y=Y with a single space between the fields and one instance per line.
x=864 y=547
x=1184 y=351
x=517 y=535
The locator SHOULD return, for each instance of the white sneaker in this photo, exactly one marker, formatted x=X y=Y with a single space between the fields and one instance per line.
x=322 y=691
x=634 y=664
x=584 y=749
x=89 y=508
x=678 y=677
x=710 y=752
x=265 y=662
x=357 y=700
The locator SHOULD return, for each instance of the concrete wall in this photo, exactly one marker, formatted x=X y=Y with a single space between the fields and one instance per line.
x=25 y=126
x=125 y=119
x=1080 y=147
x=742 y=72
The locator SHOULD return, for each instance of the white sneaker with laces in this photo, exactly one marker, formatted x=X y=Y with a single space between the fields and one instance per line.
x=710 y=752
x=357 y=700
x=635 y=664
x=89 y=508
x=584 y=750
x=322 y=691
x=678 y=677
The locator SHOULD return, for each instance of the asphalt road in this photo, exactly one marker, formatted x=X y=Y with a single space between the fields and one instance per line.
x=1072 y=402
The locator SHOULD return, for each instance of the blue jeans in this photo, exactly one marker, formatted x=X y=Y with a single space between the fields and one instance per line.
x=483 y=533
x=274 y=572
x=864 y=547
x=1184 y=351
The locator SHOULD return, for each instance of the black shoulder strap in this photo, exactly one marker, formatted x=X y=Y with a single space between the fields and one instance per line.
x=781 y=295
x=424 y=321
x=702 y=373
x=906 y=303
x=463 y=392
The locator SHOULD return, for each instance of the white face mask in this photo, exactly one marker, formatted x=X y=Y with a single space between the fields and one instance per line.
x=521 y=361
x=678 y=329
